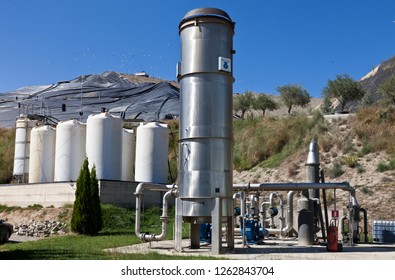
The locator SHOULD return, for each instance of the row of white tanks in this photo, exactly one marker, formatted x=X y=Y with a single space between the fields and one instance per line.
x=48 y=154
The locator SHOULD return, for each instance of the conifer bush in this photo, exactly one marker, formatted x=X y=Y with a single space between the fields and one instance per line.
x=86 y=218
x=98 y=218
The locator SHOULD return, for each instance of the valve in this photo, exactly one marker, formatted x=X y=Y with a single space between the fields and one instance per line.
x=273 y=211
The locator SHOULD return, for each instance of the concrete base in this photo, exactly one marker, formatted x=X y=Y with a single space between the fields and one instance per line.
x=61 y=193
x=272 y=249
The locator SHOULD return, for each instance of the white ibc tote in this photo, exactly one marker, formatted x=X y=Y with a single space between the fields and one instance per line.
x=42 y=154
x=152 y=141
x=70 y=150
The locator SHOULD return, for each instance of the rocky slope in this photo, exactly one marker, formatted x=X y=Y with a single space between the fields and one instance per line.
x=375 y=190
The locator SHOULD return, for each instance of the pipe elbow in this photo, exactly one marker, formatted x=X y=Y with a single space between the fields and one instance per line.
x=139 y=189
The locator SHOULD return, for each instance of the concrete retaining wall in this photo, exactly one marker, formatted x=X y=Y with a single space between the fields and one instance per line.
x=61 y=193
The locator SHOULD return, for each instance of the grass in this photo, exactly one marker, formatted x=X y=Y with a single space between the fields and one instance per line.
x=375 y=128
x=35 y=207
x=336 y=170
x=382 y=167
x=269 y=141
x=351 y=161
x=118 y=231
x=5 y=208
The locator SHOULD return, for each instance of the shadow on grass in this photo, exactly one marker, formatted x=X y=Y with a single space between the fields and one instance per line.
x=37 y=254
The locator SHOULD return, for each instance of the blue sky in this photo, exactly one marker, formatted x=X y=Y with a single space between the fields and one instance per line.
x=277 y=42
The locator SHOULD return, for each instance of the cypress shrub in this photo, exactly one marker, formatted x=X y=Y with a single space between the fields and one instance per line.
x=97 y=213
x=85 y=218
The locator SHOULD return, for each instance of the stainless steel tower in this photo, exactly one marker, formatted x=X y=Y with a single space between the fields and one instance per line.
x=206 y=133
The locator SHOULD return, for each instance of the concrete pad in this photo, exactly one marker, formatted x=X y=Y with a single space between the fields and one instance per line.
x=270 y=250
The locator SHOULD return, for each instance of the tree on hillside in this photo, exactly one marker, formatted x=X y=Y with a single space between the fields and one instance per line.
x=264 y=102
x=293 y=95
x=85 y=219
x=344 y=89
x=243 y=102
x=388 y=89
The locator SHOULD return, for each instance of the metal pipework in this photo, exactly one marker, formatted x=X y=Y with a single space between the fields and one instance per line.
x=310 y=224
x=262 y=212
x=289 y=219
x=293 y=186
x=272 y=197
x=353 y=203
x=171 y=191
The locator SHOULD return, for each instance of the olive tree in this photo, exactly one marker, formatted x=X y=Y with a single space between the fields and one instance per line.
x=264 y=102
x=388 y=89
x=243 y=102
x=344 y=89
x=293 y=95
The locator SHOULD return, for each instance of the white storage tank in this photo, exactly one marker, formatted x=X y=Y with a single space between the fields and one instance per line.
x=152 y=141
x=22 y=147
x=104 y=145
x=42 y=154
x=128 y=143
x=70 y=150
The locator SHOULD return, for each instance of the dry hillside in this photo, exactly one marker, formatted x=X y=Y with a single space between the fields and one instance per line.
x=375 y=190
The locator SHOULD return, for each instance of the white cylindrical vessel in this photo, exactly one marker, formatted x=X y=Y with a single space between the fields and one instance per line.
x=22 y=146
x=104 y=145
x=42 y=154
x=70 y=150
x=128 y=142
x=152 y=141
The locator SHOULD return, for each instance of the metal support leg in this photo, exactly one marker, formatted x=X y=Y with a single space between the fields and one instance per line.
x=230 y=233
x=178 y=225
x=195 y=236
x=216 y=237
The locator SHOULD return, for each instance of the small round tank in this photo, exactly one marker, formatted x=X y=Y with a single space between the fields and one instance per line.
x=104 y=145
x=22 y=146
x=42 y=154
x=128 y=155
x=70 y=150
x=152 y=141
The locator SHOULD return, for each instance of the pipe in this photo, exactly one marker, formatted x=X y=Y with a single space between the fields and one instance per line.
x=305 y=186
x=290 y=218
x=262 y=213
x=293 y=186
x=272 y=196
x=325 y=204
x=172 y=191
x=281 y=210
x=254 y=201
x=365 y=224
x=342 y=226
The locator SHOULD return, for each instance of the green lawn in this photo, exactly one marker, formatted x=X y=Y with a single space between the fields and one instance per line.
x=79 y=247
x=118 y=232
